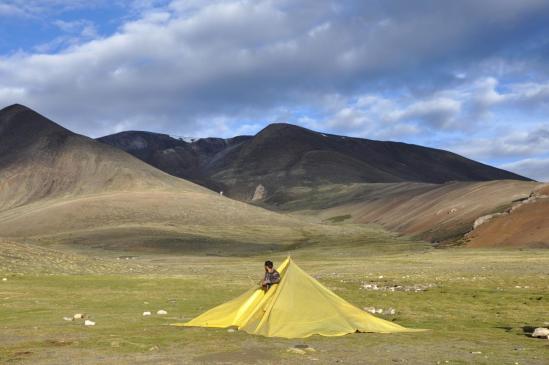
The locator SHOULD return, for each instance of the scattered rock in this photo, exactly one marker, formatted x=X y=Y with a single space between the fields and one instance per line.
x=231 y=330
x=406 y=288
x=79 y=316
x=161 y=312
x=259 y=193
x=294 y=350
x=374 y=310
x=68 y=318
x=541 y=332
x=147 y=313
x=87 y=322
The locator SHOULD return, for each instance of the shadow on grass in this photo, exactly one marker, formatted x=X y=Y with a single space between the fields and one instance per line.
x=528 y=330
x=506 y=328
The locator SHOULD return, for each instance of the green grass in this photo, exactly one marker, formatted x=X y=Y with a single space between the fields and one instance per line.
x=474 y=305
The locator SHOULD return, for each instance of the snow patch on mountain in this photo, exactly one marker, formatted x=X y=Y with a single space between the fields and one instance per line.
x=184 y=138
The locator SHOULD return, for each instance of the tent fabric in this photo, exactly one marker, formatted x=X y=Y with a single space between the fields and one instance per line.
x=299 y=306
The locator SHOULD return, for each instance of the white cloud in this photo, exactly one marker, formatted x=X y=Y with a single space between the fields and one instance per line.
x=10 y=10
x=525 y=94
x=512 y=144
x=438 y=111
x=363 y=69
x=537 y=169
x=76 y=33
x=34 y=8
x=77 y=26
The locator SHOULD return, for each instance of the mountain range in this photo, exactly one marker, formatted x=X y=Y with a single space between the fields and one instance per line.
x=58 y=186
x=284 y=156
x=154 y=191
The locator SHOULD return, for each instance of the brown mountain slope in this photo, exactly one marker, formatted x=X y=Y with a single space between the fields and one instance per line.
x=42 y=160
x=285 y=156
x=435 y=212
x=59 y=186
x=526 y=223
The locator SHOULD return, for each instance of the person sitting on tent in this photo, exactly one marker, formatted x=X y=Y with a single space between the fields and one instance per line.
x=271 y=276
x=298 y=306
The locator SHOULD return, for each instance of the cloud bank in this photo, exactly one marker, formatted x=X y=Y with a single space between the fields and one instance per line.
x=446 y=75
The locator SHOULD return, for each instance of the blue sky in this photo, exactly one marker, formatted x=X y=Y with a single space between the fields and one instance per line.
x=468 y=76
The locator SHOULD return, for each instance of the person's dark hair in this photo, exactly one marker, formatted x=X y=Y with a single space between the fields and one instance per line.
x=269 y=264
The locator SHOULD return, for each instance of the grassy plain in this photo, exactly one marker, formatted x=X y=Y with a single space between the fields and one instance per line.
x=478 y=304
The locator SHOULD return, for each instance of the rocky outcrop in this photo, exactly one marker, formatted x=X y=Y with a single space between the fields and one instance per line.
x=260 y=193
x=523 y=224
x=534 y=196
x=485 y=218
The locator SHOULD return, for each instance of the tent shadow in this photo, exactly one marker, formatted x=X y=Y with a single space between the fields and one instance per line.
x=506 y=328
x=528 y=330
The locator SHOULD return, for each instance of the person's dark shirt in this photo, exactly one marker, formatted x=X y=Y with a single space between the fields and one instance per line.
x=271 y=278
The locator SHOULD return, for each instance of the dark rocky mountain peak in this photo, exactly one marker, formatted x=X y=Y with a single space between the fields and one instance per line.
x=283 y=156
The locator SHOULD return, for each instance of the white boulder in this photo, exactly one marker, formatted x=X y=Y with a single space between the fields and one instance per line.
x=78 y=316
x=294 y=350
x=87 y=322
x=161 y=312
x=146 y=313
x=541 y=332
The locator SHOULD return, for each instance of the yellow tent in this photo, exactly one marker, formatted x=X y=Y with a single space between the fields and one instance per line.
x=298 y=307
